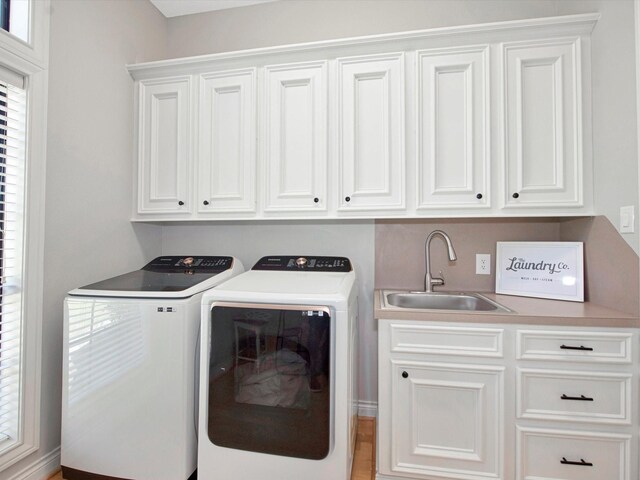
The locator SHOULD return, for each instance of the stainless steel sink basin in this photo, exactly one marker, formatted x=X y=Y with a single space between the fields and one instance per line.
x=442 y=301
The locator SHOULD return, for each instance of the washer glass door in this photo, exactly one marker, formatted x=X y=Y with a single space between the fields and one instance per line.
x=270 y=379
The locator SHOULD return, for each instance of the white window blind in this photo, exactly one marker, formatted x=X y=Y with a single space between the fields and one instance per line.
x=13 y=108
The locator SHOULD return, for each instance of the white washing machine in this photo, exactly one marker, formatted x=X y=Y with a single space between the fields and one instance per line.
x=278 y=374
x=130 y=360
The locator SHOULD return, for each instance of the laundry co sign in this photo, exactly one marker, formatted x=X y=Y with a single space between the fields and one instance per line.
x=541 y=269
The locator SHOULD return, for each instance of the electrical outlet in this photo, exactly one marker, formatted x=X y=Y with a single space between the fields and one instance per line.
x=483 y=263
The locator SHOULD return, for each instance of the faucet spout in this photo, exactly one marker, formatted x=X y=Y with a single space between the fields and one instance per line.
x=429 y=280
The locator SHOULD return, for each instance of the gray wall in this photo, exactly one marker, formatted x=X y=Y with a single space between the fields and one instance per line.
x=298 y=21
x=89 y=184
x=614 y=107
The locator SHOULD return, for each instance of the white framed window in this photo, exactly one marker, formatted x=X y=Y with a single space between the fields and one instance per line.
x=23 y=101
x=14 y=18
x=13 y=129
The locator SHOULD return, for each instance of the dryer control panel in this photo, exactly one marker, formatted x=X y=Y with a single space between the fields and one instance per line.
x=296 y=263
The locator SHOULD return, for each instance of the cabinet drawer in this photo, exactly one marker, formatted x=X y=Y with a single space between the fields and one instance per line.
x=561 y=455
x=484 y=342
x=571 y=346
x=574 y=396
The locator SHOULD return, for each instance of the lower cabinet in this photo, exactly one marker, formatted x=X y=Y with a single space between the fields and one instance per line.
x=471 y=402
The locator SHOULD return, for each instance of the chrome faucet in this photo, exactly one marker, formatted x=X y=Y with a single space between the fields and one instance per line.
x=429 y=281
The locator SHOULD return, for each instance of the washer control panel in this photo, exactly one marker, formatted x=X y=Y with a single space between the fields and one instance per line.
x=197 y=264
x=296 y=263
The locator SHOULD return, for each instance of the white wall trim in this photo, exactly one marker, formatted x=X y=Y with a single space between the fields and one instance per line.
x=36 y=86
x=636 y=5
x=36 y=50
x=367 y=408
x=379 y=476
x=42 y=468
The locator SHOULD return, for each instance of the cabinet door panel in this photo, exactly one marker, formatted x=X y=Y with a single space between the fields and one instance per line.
x=226 y=174
x=164 y=164
x=453 y=127
x=543 y=131
x=296 y=137
x=446 y=419
x=371 y=132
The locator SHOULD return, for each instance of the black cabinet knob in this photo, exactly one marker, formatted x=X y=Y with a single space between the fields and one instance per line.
x=516 y=195
x=347 y=199
x=206 y=202
x=405 y=375
x=180 y=203
x=479 y=196
x=316 y=200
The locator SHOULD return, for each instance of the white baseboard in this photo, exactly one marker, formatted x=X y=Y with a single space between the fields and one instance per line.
x=367 y=408
x=42 y=468
x=379 y=476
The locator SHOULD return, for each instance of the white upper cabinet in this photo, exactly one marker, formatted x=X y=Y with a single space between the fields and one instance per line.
x=295 y=126
x=543 y=130
x=164 y=146
x=490 y=119
x=371 y=132
x=453 y=128
x=227 y=142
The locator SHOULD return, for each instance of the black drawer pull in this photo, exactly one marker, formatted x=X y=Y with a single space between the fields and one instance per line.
x=569 y=347
x=582 y=463
x=581 y=398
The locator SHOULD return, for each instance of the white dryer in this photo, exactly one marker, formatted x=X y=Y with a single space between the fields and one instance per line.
x=278 y=373
x=130 y=360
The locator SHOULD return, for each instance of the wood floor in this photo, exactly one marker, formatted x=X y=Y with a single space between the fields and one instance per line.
x=364 y=459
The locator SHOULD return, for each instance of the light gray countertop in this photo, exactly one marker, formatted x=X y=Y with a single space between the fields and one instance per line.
x=533 y=311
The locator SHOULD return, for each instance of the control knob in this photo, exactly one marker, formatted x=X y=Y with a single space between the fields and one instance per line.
x=301 y=262
x=187 y=262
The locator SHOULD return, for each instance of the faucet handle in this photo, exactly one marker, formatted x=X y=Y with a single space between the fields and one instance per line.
x=437 y=281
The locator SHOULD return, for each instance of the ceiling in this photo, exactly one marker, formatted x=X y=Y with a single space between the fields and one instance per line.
x=175 y=8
